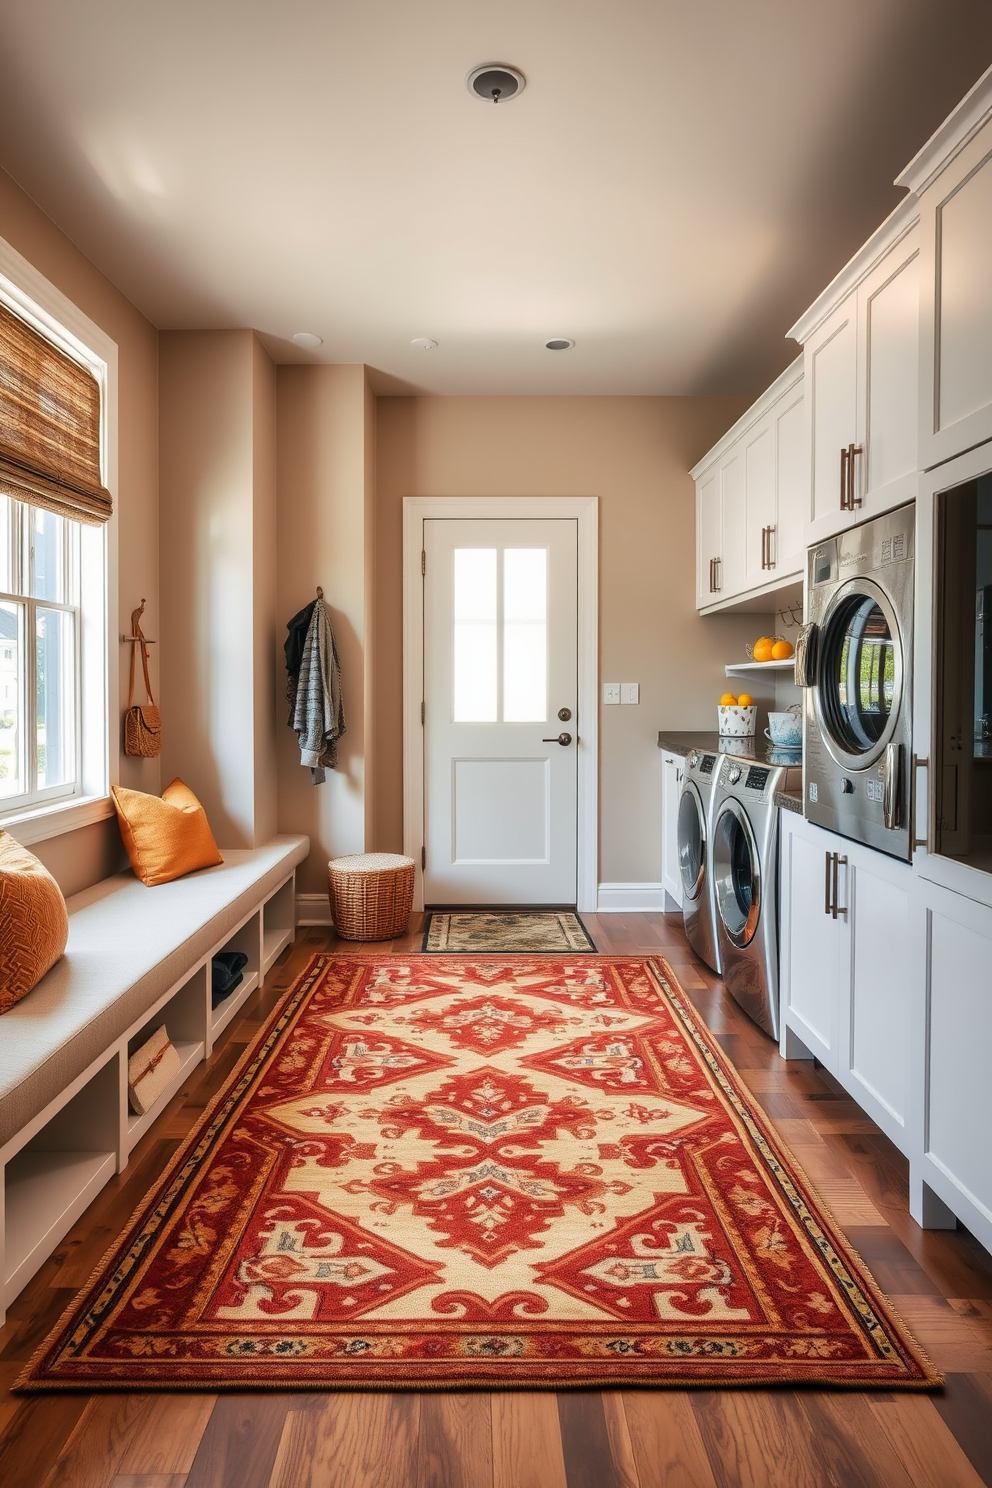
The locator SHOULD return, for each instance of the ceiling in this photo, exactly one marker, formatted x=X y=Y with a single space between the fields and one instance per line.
x=677 y=182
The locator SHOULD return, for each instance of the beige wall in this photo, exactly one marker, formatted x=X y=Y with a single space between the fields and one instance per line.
x=80 y=858
x=217 y=415
x=634 y=454
x=325 y=536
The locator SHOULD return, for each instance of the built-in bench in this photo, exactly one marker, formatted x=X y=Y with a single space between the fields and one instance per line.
x=137 y=958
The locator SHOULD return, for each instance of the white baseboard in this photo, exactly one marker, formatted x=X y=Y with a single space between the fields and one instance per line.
x=630 y=898
x=313 y=909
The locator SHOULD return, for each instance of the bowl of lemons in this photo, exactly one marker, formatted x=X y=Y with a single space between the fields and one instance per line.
x=737 y=716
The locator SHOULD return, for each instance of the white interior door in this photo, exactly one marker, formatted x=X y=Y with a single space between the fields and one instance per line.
x=500 y=691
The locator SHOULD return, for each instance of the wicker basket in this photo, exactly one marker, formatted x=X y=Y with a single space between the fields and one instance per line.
x=371 y=895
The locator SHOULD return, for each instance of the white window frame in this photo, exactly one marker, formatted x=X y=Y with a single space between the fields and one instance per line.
x=28 y=294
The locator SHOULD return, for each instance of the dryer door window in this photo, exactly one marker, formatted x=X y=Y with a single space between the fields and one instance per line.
x=860 y=675
x=736 y=875
x=692 y=841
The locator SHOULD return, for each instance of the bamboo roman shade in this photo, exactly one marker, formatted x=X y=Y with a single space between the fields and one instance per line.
x=49 y=426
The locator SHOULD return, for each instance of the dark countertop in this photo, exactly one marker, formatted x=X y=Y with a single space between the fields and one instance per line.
x=789 y=801
x=682 y=742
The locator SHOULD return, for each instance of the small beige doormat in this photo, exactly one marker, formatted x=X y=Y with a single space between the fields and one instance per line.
x=551 y=930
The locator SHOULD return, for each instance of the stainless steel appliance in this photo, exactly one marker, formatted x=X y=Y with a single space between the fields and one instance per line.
x=694 y=832
x=857 y=660
x=744 y=860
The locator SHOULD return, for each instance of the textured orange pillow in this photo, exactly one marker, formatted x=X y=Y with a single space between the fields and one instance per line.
x=166 y=837
x=34 y=924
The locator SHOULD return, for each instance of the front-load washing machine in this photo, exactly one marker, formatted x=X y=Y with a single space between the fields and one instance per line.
x=744 y=859
x=694 y=837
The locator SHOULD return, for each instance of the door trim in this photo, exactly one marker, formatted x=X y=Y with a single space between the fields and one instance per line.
x=584 y=510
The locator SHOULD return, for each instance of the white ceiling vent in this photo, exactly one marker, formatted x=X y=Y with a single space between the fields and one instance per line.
x=495 y=83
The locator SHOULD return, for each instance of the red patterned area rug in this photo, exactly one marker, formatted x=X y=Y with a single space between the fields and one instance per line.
x=430 y=1172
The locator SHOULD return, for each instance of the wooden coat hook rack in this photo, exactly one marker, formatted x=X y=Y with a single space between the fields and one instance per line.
x=136 y=628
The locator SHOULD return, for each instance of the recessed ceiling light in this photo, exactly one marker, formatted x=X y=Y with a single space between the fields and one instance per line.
x=495 y=83
x=559 y=343
x=423 y=343
x=307 y=339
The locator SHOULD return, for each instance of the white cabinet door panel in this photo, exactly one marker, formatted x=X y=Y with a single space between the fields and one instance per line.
x=730 y=578
x=891 y=336
x=814 y=969
x=671 y=784
x=708 y=535
x=956 y=305
x=964 y=345
x=789 y=543
x=759 y=503
x=878 y=1035
x=960 y=1041
x=832 y=394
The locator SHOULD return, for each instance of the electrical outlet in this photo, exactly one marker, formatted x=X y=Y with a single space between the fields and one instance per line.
x=611 y=694
x=630 y=692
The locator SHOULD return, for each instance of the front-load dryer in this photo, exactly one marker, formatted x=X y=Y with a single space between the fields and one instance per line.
x=694 y=835
x=744 y=871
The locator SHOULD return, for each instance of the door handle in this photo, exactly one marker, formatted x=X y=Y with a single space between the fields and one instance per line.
x=924 y=841
x=832 y=871
x=771 y=533
x=845 y=460
x=853 y=501
x=717 y=574
x=563 y=739
x=891 y=815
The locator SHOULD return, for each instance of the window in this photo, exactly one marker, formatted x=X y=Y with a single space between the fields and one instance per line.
x=493 y=639
x=39 y=676
x=58 y=423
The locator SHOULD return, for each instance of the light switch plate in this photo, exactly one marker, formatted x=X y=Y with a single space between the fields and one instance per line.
x=611 y=694
x=630 y=692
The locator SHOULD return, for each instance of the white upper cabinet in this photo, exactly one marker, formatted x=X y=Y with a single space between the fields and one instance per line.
x=861 y=351
x=952 y=176
x=751 y=500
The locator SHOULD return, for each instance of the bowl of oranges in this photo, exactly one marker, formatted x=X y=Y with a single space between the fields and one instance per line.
x=770 y=648
x=737 y=715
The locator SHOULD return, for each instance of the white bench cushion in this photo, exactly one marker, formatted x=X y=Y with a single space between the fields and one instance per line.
x=128 y=944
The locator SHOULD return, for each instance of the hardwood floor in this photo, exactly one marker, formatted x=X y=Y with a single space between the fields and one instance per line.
x=941 y=1283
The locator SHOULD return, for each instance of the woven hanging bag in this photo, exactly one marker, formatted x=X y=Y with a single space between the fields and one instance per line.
x=142 y=721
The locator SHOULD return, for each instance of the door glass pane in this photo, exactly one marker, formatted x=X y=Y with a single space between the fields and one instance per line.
x=690 y=833
x=56 y=698
x=47 y=536
x=11 y=696
x=525 y=635
x=859 y=675
x=962 y=744
x=475 y=635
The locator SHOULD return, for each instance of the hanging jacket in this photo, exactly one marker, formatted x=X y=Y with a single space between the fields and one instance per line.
x=293 y=648
x=318 y=711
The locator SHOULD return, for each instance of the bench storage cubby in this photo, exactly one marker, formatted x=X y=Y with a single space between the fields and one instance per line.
x=138 y=958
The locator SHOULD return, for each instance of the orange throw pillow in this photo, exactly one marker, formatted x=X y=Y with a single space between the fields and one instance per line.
x=34 y=923
x=165 y=837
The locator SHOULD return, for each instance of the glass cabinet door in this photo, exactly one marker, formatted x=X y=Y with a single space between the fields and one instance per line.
x=962 y=776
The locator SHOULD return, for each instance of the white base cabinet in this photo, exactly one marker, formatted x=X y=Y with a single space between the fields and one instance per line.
x=672 y=766
x=951 y=1160
x=845 y=967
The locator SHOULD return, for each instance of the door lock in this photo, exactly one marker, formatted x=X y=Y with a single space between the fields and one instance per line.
x=564 y=714
x=561 y=739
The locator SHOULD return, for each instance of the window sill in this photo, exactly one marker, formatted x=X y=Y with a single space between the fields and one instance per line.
x=38 y=823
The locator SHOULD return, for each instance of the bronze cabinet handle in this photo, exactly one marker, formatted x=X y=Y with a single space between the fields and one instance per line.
x=771 y=533
x=853 y=500
x=829 y=857
x=718 y=571
x=924 y=841
x=845 y=460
